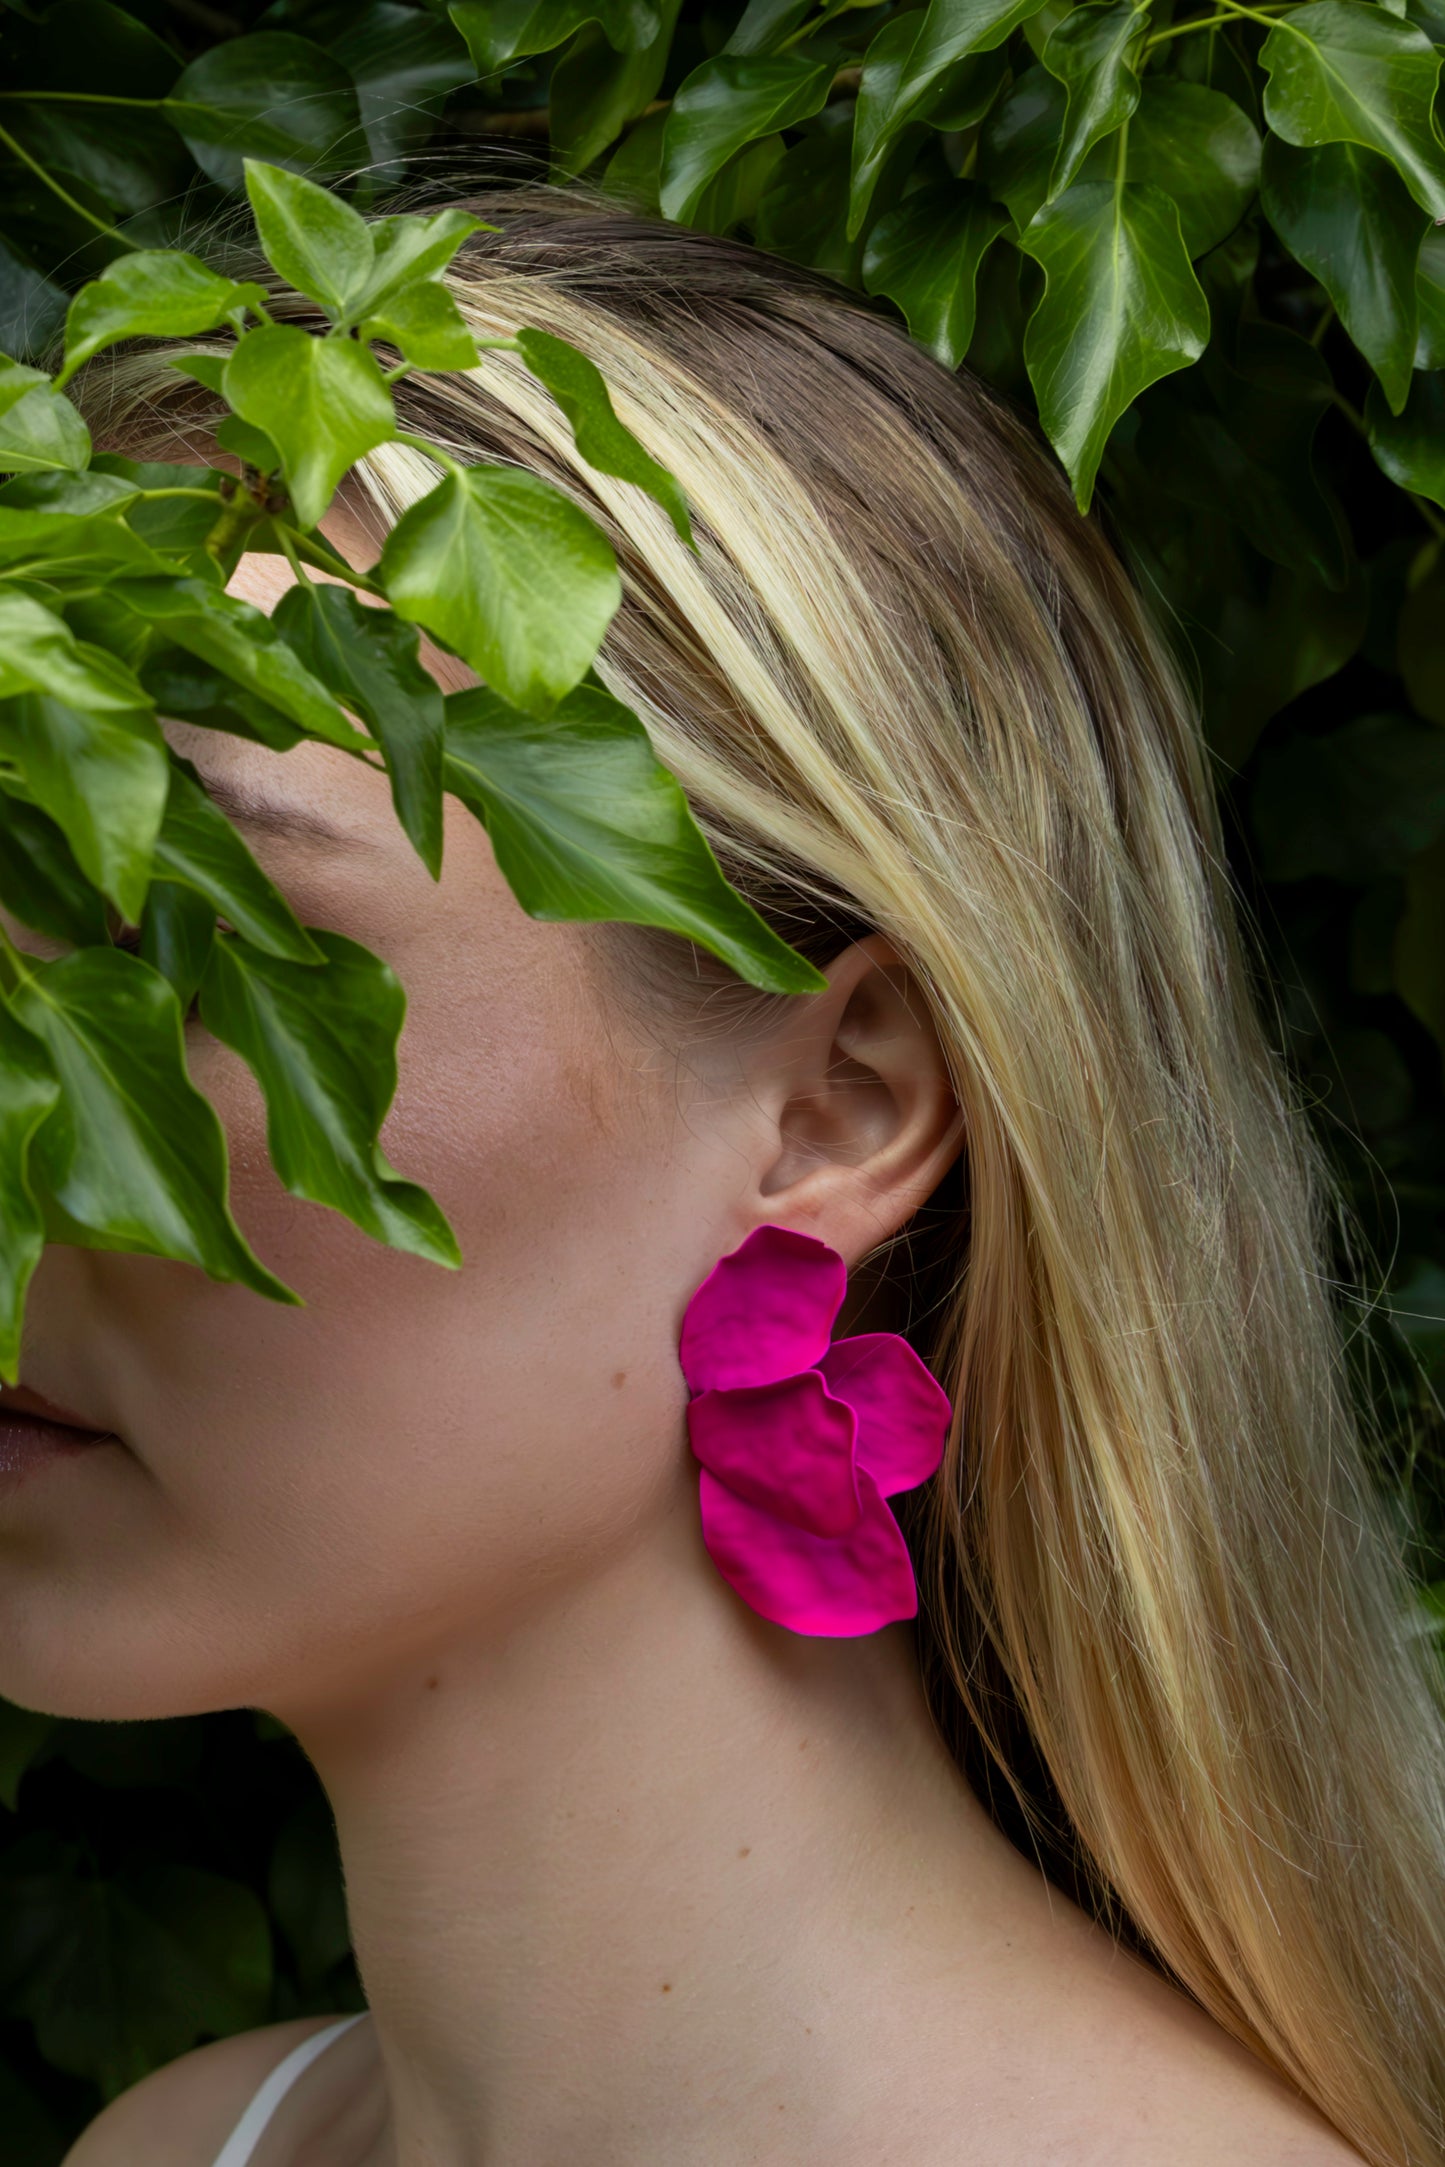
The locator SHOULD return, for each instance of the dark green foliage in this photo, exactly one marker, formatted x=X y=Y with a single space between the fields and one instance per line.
x=1198 y=239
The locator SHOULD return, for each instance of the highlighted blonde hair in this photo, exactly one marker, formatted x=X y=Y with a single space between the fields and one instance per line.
x=907 y=688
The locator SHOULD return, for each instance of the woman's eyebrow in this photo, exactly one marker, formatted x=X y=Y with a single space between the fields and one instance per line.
x=276 y=816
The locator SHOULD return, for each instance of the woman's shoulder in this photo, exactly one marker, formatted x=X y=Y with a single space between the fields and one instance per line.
x=181 y=2114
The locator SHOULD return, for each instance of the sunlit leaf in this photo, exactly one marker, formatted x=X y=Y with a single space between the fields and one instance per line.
x=321 y=402
x=587 y=824
x=198 y=845
x=242 y=643
x=580 y=390
x=1344 y=72
x=1093 y=51
x=38 y=425
x=322 y=1046
x=132 y=1152
x=101 y=776
x=510 y=575
x=155 y=293
x=425 y=325
x=318 y=243
x=1121 y=307
x=29 y=1088
x=370 y=660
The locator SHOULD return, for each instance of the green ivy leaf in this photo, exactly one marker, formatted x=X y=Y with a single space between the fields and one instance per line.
x=29 y=1089
x=510 y=575
x=424 y=323
x=1019 y=141
x=1410 y=445
x=403 y=62
x=586 y=824
x=40 y=653
x=58 y=546
x=322 y=402
x=909 y=69
x=322 y=1046
x=1121 y=307
x=725 y=104
x=189 y=690
x=1198 y=147
x=198 y=845
x=1093 y=51
x=604 y=442
x=132 y=1152
x=501 y=31
x=1430 y=297
x=1344 y=72
x=154 y=293
x=319 y=244
x=925 y=256
x=243 y=644
x=595 y=90
x=102 y=779
x=121 y=1975
x=176 y=934
x=38 y=425
x=1345 y=214
x=40 y=882
x=267 y=95
x=370 y=659
x=408 y=248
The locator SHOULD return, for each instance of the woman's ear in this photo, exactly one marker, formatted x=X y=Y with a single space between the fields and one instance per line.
x=862 y=1123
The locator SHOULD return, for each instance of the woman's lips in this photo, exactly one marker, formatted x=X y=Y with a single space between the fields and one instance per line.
x=34 y=1429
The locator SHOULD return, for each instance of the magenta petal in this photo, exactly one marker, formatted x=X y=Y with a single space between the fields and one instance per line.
x=832 y=1585
x=763 y=1312
x=902 y=1409
x=787 y=1447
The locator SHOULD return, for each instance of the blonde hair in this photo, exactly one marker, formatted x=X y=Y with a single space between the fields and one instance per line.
x=907 y=688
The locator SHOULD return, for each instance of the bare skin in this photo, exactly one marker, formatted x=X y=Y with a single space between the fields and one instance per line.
x=633 y=1876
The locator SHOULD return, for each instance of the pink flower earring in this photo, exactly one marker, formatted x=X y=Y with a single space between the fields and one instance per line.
x=802 y=1438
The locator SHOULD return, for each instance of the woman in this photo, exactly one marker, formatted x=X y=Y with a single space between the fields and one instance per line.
x=1131 y=1849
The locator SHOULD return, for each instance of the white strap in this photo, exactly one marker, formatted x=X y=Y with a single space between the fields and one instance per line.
x=242 y=2142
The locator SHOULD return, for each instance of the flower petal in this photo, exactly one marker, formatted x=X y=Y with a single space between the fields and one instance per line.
x=763 y=1312
x=787 y=1447
x=831 y=1585
x=902 y=1409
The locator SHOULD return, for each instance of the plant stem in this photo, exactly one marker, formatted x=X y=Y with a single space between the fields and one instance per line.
x=1326 y=319
x=20 y=152
x=432 y=451
x=76 y=97
x=326 y=560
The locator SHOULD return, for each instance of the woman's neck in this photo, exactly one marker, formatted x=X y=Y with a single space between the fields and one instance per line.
x=643 y=1879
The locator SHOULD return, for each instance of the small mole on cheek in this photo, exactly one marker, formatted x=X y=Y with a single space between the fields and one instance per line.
x=619 y=1379
x=746 y=1849
x=667 y=1986
x=432 y=1684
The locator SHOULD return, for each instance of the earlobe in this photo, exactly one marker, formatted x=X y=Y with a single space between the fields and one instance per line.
x=868 y=1122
